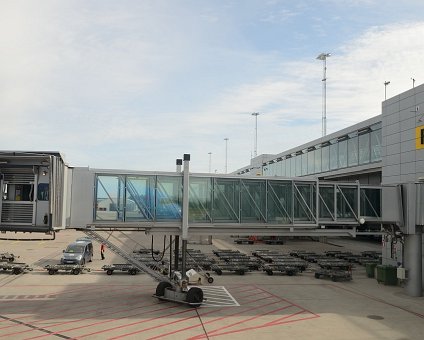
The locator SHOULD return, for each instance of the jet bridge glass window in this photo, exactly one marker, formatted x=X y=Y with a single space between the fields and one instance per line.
x=364 y=148
x=43 y=192
x=109 y=198
x=375 y=145
x=200 y=204
x=139 y=198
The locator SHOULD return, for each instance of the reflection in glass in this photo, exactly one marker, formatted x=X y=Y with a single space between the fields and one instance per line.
x=342 y=153
x=352 y=147
x=364 y=148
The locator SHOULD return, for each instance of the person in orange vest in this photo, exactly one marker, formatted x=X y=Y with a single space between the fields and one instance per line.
x=102 y=251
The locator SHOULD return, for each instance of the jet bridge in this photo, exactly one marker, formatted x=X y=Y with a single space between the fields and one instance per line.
x=40 y=193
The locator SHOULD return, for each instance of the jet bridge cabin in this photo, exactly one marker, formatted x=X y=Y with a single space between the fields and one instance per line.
x=31 y=191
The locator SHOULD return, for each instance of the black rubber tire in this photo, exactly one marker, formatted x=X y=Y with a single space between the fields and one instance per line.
x=11 y=259
x=160 y=289
x=17 y=271
x=251 y=242
x=317 y=276
x=334 y=279
x=270 y=272
x=290 y=273
x=75 y=271
x=218 y=272
x=240 y=272
x=194 y=296
x=132 y=271
x=51 y=271
x=109 y=272
x=210 y=279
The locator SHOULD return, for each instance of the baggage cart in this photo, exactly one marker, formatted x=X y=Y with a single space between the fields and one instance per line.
x=75 y=269
x=121 y=267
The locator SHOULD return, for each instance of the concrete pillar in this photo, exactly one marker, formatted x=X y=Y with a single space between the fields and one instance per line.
x=413 y=263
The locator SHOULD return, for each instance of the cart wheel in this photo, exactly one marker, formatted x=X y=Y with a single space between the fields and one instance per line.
x=270 y=272
x=240 y=272
x=210 y=279
x=17 y=271
x=51 y=271
x=194 y=297
x=109 y=272
x=132 y=271
x=317 y=276
x=251 y=242
x=160 y=289
x=218 y=272
x=75 y=271
x=11 y=259
x=290 y=273
x=334 y=279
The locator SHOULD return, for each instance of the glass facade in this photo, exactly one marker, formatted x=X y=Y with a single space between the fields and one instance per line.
x=357 y=148
x=145 y=198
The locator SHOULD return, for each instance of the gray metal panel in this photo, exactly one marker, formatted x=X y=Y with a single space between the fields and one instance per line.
x=391 y=204
x=82 y=199
x=420 y=204
x=391 y=139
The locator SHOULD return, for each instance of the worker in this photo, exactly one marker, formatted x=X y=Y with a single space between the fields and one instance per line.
x=102 y=251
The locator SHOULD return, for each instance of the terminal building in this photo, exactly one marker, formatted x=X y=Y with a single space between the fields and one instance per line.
x=386 y=150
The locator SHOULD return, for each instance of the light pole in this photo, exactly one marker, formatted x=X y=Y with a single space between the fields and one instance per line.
x=210 y=161
x=323 y=57
x=413 y=82
x=255 y=148
x=385 y=89
x=226 y=153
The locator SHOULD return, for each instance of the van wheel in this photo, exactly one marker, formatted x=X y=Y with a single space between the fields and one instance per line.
x=51 y=271
x=75 y=271
x=109 y=272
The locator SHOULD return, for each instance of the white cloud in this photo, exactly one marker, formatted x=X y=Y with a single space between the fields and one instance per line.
x=136 y=86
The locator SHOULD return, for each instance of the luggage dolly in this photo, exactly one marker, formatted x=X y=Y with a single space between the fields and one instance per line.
x=288 y=270
x=8 y=257
x=123 y=267
x=16 y=268
x=334 y=275
x=73 y=268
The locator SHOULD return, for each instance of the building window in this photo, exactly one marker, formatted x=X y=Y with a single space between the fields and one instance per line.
x=311 y=162
x=364 y=148
x=304 y=164
x=352 y=147
x=334 y=160
x=375 y=145
x=298 y=165
x=325 y=159
x=317 y=160
x=342 y=153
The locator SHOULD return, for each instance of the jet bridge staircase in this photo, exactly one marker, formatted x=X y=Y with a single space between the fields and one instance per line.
x=118 y=251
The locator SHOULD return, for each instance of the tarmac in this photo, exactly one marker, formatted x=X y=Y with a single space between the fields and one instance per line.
x=93 y=305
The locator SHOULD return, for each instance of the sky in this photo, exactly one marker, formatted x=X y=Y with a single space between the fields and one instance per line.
x=136 y=84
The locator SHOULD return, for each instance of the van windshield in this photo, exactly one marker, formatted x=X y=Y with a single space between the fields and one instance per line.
x=75 y=248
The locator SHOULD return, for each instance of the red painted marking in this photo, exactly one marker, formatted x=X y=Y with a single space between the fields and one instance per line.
x=101 y=322
x=217 y=319
x=239 y=322
x=133 y=323
x=64 y=309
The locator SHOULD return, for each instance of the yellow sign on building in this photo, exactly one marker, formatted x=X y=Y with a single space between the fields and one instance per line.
x=419 y=137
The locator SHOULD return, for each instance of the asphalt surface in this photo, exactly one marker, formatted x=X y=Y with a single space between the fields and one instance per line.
x=94 y=305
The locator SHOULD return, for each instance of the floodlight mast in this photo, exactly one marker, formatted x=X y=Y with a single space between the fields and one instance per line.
x=385 y=89
x=226 y=154
x=323 y=57
x=255 y=149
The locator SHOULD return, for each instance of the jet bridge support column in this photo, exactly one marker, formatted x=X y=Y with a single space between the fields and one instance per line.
x=413 y=263
x=179 y=163
x=184 y=225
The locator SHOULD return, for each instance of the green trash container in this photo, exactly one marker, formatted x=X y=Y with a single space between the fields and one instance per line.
x=370 y=269
x=387 y=275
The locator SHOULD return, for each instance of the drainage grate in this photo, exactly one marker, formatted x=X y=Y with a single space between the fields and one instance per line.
x=375 y=317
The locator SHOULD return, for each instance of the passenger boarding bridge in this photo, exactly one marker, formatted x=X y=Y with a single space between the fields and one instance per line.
x=40 y=193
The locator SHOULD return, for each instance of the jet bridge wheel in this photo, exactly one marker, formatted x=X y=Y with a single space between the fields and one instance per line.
x=160 y=289
x=194 y=297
